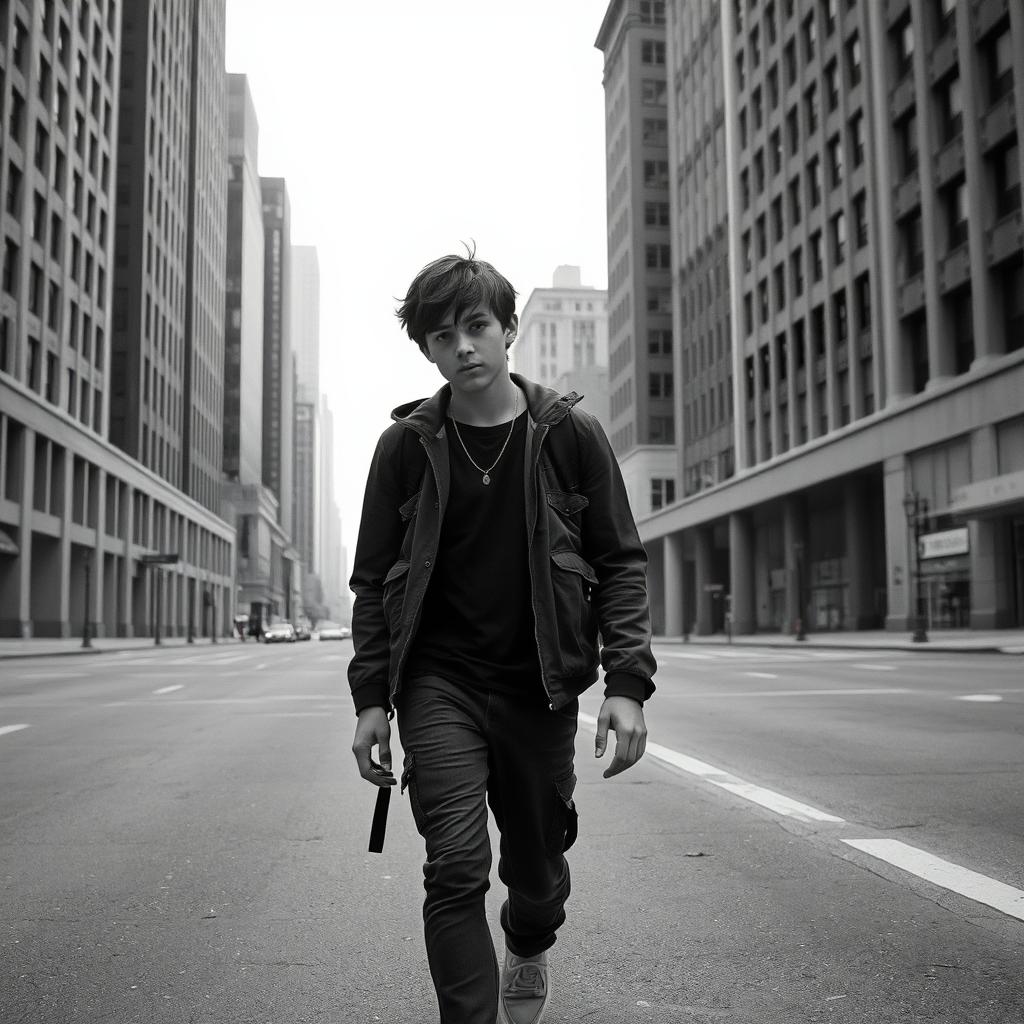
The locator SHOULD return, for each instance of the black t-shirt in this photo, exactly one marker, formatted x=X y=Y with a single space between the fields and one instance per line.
x=477 y=622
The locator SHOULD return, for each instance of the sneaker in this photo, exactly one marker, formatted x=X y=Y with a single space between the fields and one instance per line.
x=524 y=989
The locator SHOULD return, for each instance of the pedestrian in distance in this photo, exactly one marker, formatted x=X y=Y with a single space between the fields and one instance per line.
x=497 y=568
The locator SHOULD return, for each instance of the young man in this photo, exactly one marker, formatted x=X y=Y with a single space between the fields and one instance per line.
x=496 y=541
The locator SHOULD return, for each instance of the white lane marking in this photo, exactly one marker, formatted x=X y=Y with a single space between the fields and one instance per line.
x=980 y=888
x=4 y=729
x=768 y=798
x=762 y=675
x=170 y=689
x=982 y=698
x=875 y=668
x=859 y=692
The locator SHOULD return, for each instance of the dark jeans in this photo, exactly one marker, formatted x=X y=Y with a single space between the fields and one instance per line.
x=465 y=749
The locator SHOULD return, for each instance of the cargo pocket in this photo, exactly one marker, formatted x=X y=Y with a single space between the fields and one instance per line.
x=409 y=782
x=565 y=820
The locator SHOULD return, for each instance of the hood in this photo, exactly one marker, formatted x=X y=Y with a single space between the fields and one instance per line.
x=426 y=415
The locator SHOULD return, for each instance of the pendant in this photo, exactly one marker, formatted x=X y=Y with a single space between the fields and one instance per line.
x=487 y=478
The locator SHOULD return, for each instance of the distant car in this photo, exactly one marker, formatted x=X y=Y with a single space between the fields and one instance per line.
x=279 y=633
x=302 y=632
x=333 y=632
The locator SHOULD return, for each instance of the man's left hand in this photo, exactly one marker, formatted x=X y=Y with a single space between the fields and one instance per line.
x=626 y=717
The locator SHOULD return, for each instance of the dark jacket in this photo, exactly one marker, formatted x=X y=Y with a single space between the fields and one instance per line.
x=587 y=564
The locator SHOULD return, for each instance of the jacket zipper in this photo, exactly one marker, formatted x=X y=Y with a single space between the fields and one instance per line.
x=529 y=562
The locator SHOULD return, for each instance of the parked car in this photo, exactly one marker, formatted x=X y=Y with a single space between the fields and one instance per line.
x=332 y=631
x=279 y=633
x=302 y=632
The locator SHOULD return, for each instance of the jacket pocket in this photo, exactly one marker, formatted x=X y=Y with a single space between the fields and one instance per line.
x=565 y=518
x=394 y=595
x=573 y=581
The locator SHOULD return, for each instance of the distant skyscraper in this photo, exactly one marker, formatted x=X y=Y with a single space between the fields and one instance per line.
x=278 y=359
x=304 y=310
x=563 y=340
x=640 y=363
x=243 y=327
x=167 y=344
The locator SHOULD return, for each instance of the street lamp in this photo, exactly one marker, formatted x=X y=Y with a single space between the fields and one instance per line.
x=915 y=508
x=798 y=550
x=86 y=631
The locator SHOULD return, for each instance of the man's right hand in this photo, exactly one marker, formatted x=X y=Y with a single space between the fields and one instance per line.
x=374 y=730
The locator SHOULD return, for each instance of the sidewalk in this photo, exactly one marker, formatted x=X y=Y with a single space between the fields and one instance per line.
x=47 y=647
x=946 y=641
x=999 y=641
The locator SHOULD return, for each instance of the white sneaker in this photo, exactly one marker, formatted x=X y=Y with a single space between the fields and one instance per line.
x=524 y=989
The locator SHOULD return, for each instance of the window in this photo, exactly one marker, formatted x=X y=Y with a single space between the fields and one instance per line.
x=952 y=109
x=811 y=108
x=652 y=51
x=659 y=342
x=655 y=131
x=795 y=207
x=778 y=220
x=663 y=492
x=780 y=287
x=775 y=151
x=862 y=287
x=956 y=214
x=903 y=49
x=839 y=236
x=814 y=184
x=10 y=272
x=793 y=131
x=1007 y=179
x=817 y=258
x=835 y=160
x=1013 y=305
x=656 y=215
x=789 y=62
x=13 y=190
x=655 y=174
x=1000 y=66
x=906 y=132
x=796 y=267
x=659 y=385
x=810 y=33
x=658 y=257
x=860 y=219
x=857 y=140
x=841 y=317
x=653 y=91
x=945 y=15
x=832 y=85
x=912 y=242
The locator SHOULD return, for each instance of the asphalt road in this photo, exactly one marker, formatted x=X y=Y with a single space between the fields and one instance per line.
x=814 y=836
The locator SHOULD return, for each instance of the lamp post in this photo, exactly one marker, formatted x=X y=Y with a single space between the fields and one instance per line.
x=86 y=630
x=798 y=550
x=916 y=508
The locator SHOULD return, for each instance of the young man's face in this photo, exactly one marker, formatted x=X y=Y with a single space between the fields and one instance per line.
x=470 y=351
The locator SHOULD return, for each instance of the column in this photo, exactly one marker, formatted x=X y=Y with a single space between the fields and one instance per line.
x=125 y=621
x=741 y=573
x=792 y=535
x=704 y=569
x=898 y=567
x=675 y=611
x=858 y=558
x=28 y=484
x=991 y=567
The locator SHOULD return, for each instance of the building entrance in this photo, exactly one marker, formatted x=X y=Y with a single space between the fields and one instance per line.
x=1018 y=572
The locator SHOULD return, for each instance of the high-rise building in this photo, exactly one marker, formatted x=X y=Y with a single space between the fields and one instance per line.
x=304 y=309
x=243 y=323
x=167 y=341
x=563 y=340
x=77 y=514
x=641 y=377
x=333 y=573
x=278 y=357
x=873 y=172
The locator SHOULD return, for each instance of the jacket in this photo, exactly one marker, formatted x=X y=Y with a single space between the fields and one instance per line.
x=587 y=564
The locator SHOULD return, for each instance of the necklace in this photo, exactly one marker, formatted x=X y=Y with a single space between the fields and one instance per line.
x=487 y=472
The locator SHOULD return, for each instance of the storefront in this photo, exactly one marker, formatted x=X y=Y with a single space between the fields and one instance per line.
x=946 y=579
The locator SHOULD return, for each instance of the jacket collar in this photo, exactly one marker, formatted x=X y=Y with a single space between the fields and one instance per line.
x=426 y=415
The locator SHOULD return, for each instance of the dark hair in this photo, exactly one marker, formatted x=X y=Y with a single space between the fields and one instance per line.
x=454 y=283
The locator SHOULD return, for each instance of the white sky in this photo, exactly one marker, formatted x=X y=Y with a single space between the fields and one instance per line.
x=402 y=128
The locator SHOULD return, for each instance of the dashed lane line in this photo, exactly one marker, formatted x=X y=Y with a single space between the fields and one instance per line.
x=4 y=729
x=945 y=874
x=942 y=873
x=776 y=802
x=170 y=689
x=761 y=675
x=867 y=666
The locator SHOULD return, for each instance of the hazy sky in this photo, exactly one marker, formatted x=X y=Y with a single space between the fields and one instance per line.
x=403 y=128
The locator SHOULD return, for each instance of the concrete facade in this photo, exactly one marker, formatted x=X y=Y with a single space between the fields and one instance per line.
x=876 y=319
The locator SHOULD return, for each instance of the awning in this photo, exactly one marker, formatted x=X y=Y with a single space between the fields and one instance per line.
x=7 y=545
x=995 y=496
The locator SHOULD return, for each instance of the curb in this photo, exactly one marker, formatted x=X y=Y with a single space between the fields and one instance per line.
x=925 y=648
